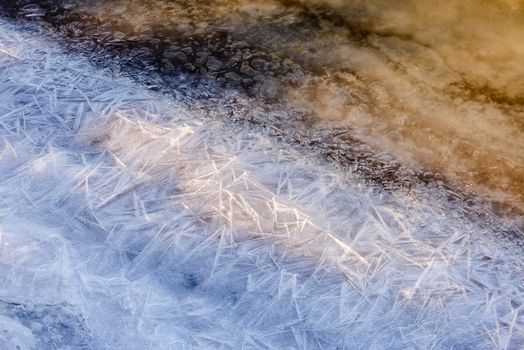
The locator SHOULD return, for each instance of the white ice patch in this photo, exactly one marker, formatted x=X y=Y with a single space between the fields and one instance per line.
x=130 y=221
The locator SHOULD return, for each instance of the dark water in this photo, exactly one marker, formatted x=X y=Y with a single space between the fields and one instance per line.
x=437 y=89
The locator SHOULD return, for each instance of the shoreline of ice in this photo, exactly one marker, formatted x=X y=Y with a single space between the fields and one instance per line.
x=129 y=221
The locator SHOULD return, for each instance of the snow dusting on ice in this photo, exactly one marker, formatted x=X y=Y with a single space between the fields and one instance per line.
x=129 y=220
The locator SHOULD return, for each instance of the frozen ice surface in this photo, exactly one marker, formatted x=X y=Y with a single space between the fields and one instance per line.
x=131 y=221
x=405 y=81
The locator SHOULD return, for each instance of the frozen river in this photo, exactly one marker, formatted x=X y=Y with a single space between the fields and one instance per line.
x=239 y=175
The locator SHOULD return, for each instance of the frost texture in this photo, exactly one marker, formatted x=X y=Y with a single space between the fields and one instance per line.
x=131 y=221
x=436 y=89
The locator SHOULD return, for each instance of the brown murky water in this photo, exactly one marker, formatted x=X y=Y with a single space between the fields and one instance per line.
x=437 y=85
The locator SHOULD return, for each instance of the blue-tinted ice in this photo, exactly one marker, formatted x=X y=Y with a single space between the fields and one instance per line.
x=130 y=221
